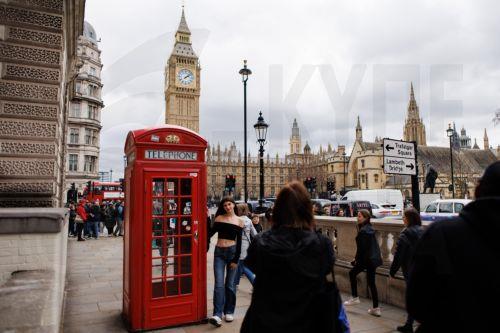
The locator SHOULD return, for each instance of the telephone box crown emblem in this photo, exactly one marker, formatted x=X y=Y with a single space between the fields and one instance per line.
x=172 y=138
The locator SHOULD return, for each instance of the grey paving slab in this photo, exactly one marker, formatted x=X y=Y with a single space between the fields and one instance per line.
x=94 y=295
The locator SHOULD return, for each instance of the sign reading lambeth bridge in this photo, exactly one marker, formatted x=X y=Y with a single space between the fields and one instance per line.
x=171 y=155
x=399 y=157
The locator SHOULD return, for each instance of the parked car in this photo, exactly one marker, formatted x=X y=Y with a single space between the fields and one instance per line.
x=350 y=208
x=393 y=197
x=385 y=210
x=443 y=209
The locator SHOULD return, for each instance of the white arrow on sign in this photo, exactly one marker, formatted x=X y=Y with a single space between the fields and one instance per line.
x=399 y=166
x=396 y=148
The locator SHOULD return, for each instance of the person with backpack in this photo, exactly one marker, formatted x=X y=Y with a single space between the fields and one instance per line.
x=405 y=249
x=367 y=258
x=291 y=263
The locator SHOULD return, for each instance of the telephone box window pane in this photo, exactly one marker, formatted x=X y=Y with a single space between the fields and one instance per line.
x=186 y=186
x=172 y=207
x=172 y=245
x=186 y=226
x=185 y=245
x=172 y=186
x=157 y=206
x=186 y=206
x=171 y=266
x=186 y=285
x=158 y=288
x=157 y=270
x=185 y=265
x=172 y=286
x=159 y=248
x=158 y=185
x=172 y=226
x=157 y=225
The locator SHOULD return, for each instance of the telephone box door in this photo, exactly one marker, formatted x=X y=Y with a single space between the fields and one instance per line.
x=172 y=250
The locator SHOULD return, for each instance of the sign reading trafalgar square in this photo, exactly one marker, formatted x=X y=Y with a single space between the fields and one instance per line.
x=170 y=155
x=399 y=157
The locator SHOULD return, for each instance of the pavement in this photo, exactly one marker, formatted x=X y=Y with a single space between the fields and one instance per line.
x=94 y=295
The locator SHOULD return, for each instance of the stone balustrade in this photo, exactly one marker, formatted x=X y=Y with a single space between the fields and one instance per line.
x=342 y=231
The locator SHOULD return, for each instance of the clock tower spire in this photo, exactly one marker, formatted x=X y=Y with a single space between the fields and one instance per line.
x=182 y=81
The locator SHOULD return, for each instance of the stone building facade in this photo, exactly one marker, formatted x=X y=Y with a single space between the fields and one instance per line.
x=37 y=64
x=182 y=82
x=229 y=161
x=84 y=119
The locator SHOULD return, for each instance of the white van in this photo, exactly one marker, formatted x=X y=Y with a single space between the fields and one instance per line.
x=393 y=197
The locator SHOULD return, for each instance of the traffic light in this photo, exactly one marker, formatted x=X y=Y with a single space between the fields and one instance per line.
x=330 y=185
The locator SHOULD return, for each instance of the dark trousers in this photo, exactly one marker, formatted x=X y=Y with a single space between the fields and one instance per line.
x=71 y=227
x=79 y=229
x=370 y=277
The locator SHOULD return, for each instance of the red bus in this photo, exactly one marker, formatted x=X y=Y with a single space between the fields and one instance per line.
x=103 y=191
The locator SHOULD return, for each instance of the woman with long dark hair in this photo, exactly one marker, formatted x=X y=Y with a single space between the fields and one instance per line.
x=405 y=249
x=228 y=226
x=290 y=262
x=367 y=258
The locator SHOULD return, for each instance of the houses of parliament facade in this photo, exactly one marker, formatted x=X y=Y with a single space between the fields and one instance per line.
x=359 y=168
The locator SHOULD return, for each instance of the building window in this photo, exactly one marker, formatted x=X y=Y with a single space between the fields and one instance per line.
x=90 y=163
x=93 y=90
x=92 y=71
x=282 y=180
x=78 y=87
x=273 y=179
x=75 y=110
x=90 y=137
x=92 y=112
x=73 y=162
x=376 y=178
x=362 y=163
x=362 y=179
x=254 y=179
x=74 y=135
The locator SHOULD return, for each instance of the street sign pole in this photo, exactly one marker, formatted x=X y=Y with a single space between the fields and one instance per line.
x=415 y=191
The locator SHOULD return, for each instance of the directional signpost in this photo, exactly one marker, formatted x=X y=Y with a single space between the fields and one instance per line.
x=400 y=158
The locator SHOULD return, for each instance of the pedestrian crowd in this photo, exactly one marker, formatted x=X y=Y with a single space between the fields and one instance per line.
x=450 y=268
x=89 y=220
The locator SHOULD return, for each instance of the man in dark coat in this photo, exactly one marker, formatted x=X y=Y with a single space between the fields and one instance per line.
x=455 y=275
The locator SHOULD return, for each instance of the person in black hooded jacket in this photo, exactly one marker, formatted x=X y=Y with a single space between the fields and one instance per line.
x=290 y=262
x=455 y=276
x=405 y=249
x=367 y=258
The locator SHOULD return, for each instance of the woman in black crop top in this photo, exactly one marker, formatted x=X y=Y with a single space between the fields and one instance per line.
x=228 y=226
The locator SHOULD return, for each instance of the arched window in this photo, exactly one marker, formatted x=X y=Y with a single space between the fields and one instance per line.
x=375 y=178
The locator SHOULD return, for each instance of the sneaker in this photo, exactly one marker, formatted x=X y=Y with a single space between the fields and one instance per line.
x=215 y=320
x=352 y=301
x=405 y=329
x=229 y=318
x=81 y=240
x=375 y=312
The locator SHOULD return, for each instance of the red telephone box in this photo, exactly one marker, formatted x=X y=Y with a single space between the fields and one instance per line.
x=164 y=273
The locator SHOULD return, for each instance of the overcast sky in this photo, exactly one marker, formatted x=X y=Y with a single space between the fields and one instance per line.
x=323 y=62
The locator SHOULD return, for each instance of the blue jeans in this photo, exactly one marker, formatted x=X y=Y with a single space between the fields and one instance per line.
x=242 y=269
x=94 y=228
x=224 y=292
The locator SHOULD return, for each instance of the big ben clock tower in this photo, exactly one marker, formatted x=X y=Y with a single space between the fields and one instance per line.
x=182 y=82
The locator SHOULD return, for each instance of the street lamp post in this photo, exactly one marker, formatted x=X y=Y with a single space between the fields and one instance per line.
x=449 y=133
x=245 y=72
x=261 y=132
x=344 y=160
x=110 y=175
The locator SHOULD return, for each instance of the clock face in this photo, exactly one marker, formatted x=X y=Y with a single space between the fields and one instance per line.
x=185 y=76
